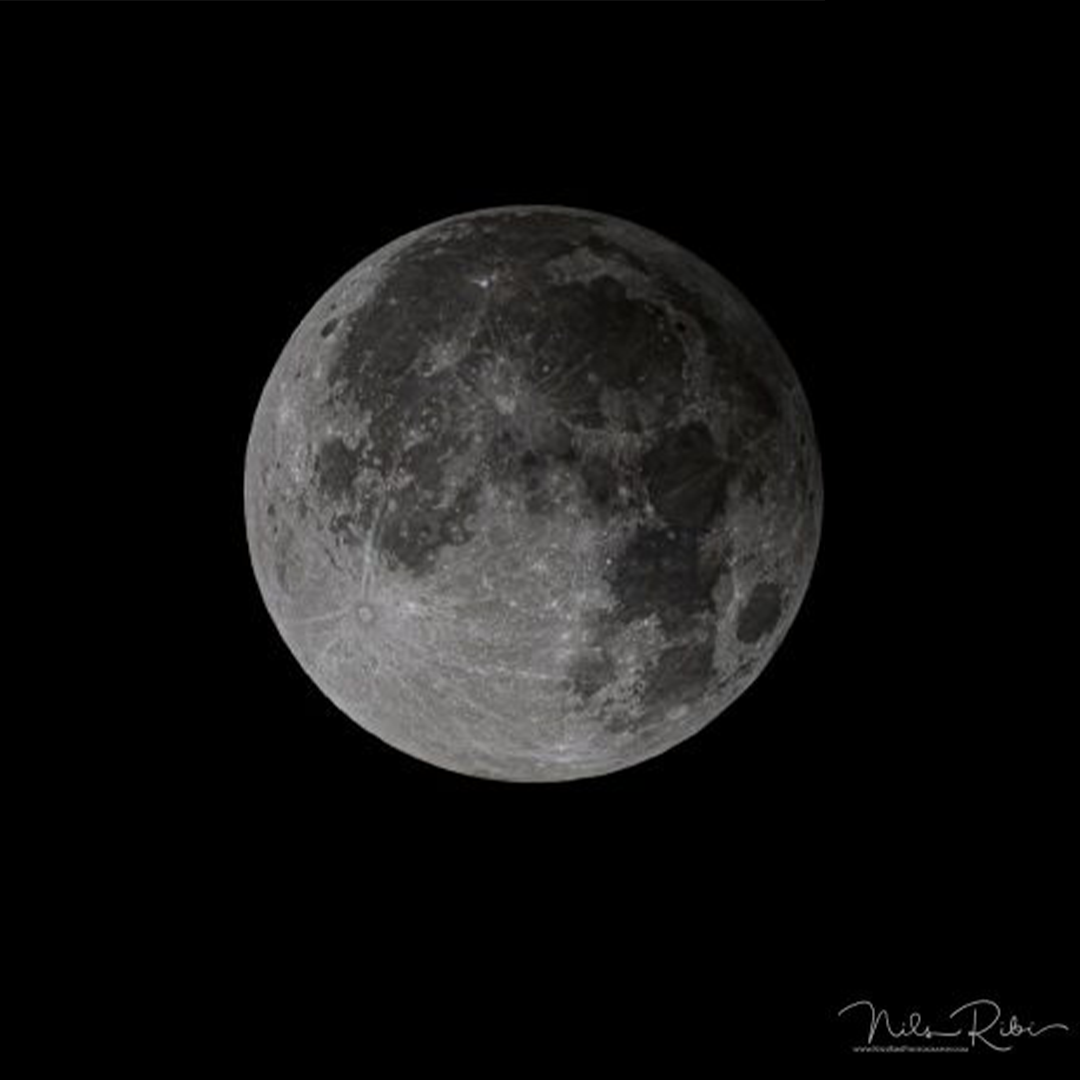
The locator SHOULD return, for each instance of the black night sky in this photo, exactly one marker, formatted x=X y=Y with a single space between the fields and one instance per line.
x=883 y=815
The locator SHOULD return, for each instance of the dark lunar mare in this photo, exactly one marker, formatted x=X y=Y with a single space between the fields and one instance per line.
x=573 y=331
x=660 y=573
x=761 y=612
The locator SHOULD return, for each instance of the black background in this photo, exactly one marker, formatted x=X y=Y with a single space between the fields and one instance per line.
x=883 y=815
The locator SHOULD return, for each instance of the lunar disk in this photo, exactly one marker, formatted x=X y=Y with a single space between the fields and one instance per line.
x=533 y=494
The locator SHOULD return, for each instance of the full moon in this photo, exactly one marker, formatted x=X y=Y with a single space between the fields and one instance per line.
x=533 y=494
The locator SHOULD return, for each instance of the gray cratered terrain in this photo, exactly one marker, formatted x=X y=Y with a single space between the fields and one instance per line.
x=533 y=494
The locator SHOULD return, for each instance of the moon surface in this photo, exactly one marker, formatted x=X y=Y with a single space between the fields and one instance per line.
x=533 y=494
